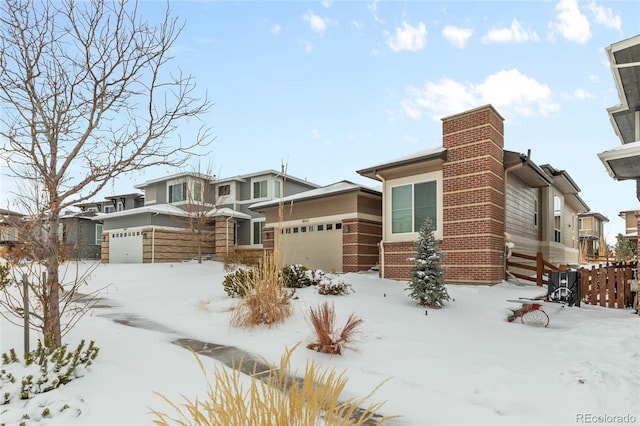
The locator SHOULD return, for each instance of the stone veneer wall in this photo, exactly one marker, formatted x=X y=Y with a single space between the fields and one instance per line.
x=473 y=197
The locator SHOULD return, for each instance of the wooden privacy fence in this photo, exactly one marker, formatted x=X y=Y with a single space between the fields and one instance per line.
x=607 y=285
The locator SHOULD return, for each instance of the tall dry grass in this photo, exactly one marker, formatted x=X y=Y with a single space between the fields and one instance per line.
x=267 y=301
x=278 y=399
x=328 y=339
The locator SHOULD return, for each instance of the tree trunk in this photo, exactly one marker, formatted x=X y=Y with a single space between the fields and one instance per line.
x=51 y=312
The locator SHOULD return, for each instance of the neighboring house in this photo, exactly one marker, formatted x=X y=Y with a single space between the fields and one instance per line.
x=477 y=195
x=10 y=227
x=592 y=236
x=238 y=193
x=187 y=214
x=113 y=203
x=81 y=234
x=631 y=218
x=623 y=162
x=334 y=228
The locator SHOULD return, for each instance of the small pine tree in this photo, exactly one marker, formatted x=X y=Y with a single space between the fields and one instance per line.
x=427 y=282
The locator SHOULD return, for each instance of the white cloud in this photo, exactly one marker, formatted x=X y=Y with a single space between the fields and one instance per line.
x=513 y=34
x=326 y=3
x=457 y=36
x=605 y=16
x=373 y=8
x=509 y=91
x=570 y=22
x=308 y=47
x=358 y=25
x=318 y=24
x=579 y=94
x=408 y=38
x=315 y=134
x=275 y=29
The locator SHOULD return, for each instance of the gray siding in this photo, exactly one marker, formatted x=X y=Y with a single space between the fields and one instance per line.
x=80 y=239
x=143 y=219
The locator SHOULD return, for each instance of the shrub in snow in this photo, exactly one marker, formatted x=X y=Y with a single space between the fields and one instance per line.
x=297 y=276
x=44 y=369
x=328 y=339
x=238 y=283
x=329 y=285
x=278 y=397
x=427 y=282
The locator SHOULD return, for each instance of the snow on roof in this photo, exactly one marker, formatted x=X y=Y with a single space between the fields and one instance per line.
x=225 y=211
x=405 y=158
x=334 y=188
x=167 y=209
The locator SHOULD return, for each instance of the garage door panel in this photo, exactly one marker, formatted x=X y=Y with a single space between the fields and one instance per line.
x=125 y=246
x=314 y=250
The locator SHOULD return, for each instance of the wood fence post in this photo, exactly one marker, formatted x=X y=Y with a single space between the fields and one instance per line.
x=611 y=292
x=593 y=295
x=25 y=303
x=539 y=268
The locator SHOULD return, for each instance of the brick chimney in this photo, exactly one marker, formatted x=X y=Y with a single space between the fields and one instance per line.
x=473 y=197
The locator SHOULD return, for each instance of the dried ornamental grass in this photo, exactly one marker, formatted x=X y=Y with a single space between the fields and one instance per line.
x=279 y=399
x=267 y=302
x=329 y=340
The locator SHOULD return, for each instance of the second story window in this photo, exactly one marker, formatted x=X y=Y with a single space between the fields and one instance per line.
x=197 y=191
x=177 y=192
x=260 y=189
x=277 y=189
x=224 y=190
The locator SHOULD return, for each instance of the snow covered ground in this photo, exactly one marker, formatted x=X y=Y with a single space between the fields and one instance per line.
x=463 y=364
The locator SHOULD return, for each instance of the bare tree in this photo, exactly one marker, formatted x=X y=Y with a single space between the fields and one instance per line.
x=85 y=98
x=200 y=200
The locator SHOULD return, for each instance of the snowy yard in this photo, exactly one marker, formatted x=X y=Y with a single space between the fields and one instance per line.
x=463 y=364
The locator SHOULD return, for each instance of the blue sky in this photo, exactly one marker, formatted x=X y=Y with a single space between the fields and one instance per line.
x=335 y=86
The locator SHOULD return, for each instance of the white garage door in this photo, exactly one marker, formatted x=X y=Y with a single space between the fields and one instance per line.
x=313 y=248
x=125 y=246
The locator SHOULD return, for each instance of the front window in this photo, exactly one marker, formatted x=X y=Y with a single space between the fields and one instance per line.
x=109 y=209
x=260 y=189
x=177 y=192
x=98 y=233
x=257 y=232
x=411 y=205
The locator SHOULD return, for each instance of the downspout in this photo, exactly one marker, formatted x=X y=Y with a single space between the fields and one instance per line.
x=383 y=225
x=523 y=162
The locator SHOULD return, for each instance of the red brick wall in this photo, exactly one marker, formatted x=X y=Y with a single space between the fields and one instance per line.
x=398 y=260
x=360 y=240
x=473 y=197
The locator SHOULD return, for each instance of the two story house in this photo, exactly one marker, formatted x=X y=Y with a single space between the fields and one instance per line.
x=479 y=197
x=593 y=242
x=623 y=161
x=631 y=219
x=10 y=228
x=189 y=214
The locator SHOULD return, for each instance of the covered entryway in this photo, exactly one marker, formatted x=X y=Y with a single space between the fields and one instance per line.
x=125 y=246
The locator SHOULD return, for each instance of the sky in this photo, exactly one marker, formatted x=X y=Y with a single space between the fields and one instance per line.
x=331 y=87
x=463 y=364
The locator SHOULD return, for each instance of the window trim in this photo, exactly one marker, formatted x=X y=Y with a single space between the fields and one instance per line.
x=253 y=232
x=412 y=186
x=99 y=234
x=266 y=188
